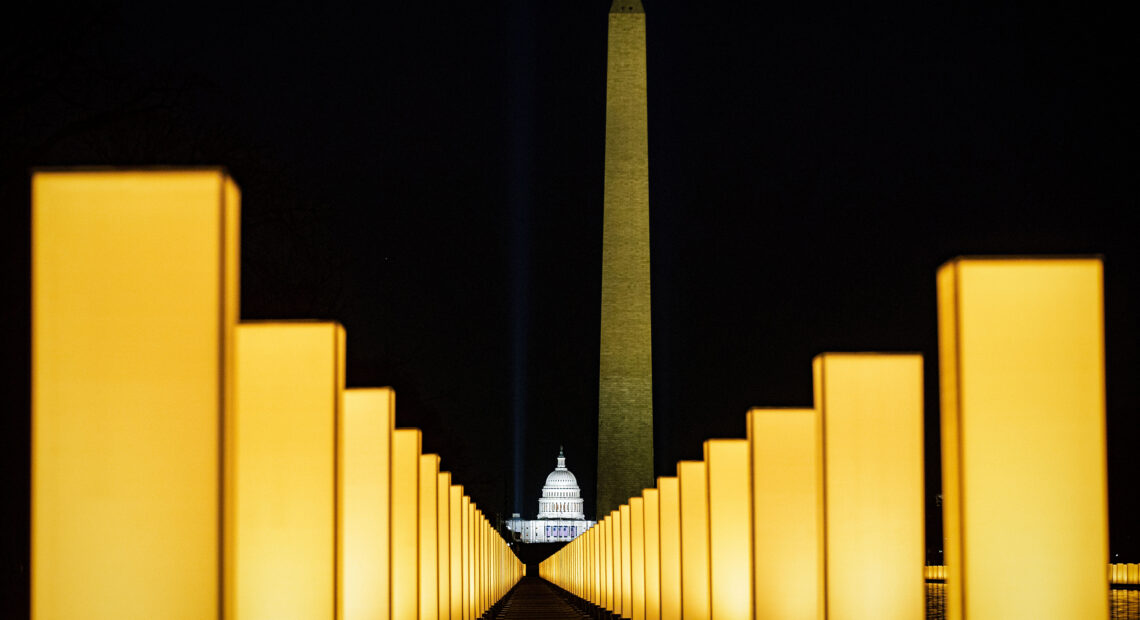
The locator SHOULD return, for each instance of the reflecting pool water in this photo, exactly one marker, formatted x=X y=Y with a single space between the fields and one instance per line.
x=1125 y=604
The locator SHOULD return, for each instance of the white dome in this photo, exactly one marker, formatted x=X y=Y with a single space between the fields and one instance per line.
x=561 y=497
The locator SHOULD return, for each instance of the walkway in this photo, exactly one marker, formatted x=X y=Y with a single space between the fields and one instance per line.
x=534 y=599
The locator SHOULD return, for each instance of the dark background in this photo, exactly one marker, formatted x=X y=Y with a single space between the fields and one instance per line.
x=430 y=175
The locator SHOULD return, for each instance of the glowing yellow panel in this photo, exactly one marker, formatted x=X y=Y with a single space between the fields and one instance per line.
x=607 y=563
x=429 y=537
x=134 y=302
x=670 y=532
x=626 y=562
x=651 y=525
x=1021 y=345
x=694 y=504
x=730 y=529
x=871 y=410
x=465 y=573
x=290 y=382
x=787 y=513
x=405 y=572
x=637 y=557
x=443 y=523
x=362 y=543
x=615 y=542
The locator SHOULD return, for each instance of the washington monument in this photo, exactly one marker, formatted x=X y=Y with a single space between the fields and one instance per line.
x=625 y=382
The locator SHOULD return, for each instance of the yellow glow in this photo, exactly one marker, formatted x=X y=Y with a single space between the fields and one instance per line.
x=443 y=524
x=670 y=532
x=429 y=537
x=405 y=523
x=615 y=553
x=694 y=503
x=652 y=554
x=1021 y=346
x=465 y=526
x=290 y=381
x=871 y=410
x=787 y=513
x=607 y=563
x=637 y=557
x=134 y=302
x=362 y=549
x=730 y=529
x=626 y=562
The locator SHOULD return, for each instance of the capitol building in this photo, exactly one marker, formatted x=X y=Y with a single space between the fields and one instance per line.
x=560 y=514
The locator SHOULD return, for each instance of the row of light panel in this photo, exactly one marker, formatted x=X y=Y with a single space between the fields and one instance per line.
x=186 y=465
x=819 y=512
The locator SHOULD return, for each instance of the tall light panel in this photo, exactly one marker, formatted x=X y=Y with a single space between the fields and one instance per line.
x=1021 y=351
x=405 y=570
x=694 y=500
x=786 y=452
x=730 y=529
x=290 y=383
x=871 y=410
x=443 y=527
x=456 y=535
x=626 y=543
x=364 y=460
x=637 y=557
x=652 y=508
x=670 y=515
x=134 y=303
x=429 y=537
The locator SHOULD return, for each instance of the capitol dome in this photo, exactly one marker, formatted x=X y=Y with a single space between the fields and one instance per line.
x=561 y=497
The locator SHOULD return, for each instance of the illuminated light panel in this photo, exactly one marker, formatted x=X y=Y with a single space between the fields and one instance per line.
x=429 y=537
x=694 y=504
x=871 y=411
x=787 y=513
x=652 y=530
x=615 y=553
x=1021 y=346
x=134 y=302
x=608 y=562
x=637 y=557
x=465 y=573
x=730 y=529
x=405 y=571
x=366 y=443
x=289 y=388
x=670 y=532
x=443 y=524
x=626 y=562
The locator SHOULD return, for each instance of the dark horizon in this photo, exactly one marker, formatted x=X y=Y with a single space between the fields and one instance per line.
x=432 y=179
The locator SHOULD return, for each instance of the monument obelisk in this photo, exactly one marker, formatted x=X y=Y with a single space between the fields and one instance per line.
x=625 y=383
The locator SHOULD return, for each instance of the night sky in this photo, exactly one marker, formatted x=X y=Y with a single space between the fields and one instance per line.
x=430 y=175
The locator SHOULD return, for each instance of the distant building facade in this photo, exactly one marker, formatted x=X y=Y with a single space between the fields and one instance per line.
x=560 y=514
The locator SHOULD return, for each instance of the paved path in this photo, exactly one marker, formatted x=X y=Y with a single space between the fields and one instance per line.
x=535 y=599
